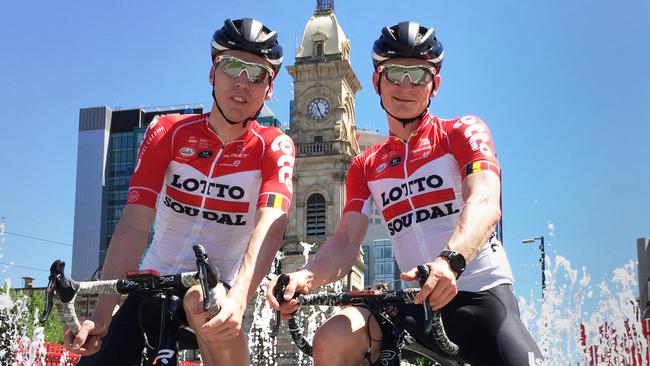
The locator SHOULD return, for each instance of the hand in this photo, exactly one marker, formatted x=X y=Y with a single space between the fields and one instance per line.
x=88 y=340
x=225 y=325
x=440 y=288
x=298 y=283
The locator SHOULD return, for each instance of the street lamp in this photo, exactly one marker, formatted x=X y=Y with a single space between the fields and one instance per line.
x=542 y=259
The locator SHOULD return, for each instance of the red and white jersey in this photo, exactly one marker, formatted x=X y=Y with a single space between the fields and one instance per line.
x=206 y=192
x=416 y=185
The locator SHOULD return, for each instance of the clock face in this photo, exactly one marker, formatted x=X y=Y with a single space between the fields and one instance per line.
x=318 y=108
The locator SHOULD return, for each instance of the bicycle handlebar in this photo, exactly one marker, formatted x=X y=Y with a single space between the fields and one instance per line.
x=207 y=275
x=373 y=298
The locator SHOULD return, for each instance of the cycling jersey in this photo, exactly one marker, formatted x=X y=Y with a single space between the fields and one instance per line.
x=416 y=185
x=207 y=192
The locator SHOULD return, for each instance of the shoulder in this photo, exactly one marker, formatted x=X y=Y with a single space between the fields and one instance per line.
x=369 y=156
x=167 y=124
x=274 y=139
x=461 y=124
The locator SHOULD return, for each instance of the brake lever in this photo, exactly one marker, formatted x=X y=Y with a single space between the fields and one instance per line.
x=278 y=293
x=49 y=300
x=65 y=287
x=208 y=275
x=423 y=274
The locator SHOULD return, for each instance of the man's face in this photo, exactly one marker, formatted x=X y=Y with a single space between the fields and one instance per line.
x=238 y=98
x=406 y=100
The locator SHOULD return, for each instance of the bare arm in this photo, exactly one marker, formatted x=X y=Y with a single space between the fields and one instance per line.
x=475 y=225
x=259 y=255
x=333 y=260
x=481 y=193
x=337 y=255
x=124 y=253
x=258 y=258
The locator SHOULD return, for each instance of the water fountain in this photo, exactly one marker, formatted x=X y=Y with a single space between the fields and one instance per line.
x=568 y=335
x=566 y=332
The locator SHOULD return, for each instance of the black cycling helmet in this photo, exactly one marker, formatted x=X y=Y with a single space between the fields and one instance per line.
x=408 y=40
x=248 y=35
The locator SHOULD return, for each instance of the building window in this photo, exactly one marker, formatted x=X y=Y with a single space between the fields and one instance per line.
x=318 y=139
x=316 y=215
x=319 y=49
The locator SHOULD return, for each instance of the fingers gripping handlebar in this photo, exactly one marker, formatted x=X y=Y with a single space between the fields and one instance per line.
x=207 y=275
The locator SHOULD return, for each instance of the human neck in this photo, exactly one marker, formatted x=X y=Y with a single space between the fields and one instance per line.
x=223 y=129
x=401 y=130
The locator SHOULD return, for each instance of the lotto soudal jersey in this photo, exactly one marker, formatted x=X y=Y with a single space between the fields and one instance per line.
x=416 y=185
x=207 y=192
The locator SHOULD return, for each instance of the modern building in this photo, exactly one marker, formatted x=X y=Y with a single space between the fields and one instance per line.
x=107 y=148
x=106 y=154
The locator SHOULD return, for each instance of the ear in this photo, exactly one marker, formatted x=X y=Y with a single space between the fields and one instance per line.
x=211 y=76
x=436 y=80
x=269 y=92
x=375 y=81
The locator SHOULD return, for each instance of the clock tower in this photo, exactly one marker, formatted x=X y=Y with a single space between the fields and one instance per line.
x=323 y=130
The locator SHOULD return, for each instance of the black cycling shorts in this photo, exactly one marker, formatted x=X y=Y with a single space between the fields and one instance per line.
x=485 y=325
x=124 y=342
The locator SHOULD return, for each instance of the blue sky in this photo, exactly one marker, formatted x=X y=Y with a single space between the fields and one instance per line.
x=564 y=86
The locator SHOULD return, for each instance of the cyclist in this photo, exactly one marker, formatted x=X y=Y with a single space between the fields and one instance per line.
x=437 y=185
x=217 y=179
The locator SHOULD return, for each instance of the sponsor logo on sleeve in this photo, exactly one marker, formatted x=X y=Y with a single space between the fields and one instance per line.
x=285 y=162
x=134 y=196
x=476 y=133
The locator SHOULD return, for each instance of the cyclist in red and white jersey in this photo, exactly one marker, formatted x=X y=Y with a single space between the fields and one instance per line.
x=436 y=183
x=218 y=179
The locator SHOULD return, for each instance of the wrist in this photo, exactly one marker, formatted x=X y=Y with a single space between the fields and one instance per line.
x=305 y=278
x=239 y=297
x=455 y=261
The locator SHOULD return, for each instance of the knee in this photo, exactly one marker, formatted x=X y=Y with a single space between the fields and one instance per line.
x=336 y=344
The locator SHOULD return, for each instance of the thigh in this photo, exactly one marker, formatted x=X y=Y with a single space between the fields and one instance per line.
x=487 y=328
x=513 y=342
x=124 y=341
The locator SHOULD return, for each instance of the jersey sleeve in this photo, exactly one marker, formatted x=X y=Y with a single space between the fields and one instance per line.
x=357 y=193
x=470 y=142
x=277 y=174
x=153 y=157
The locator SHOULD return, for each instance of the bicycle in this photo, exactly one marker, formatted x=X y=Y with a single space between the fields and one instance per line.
x=146 y=281
x=376 y=301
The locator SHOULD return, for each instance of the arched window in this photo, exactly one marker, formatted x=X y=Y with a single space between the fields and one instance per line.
x=319 y=49
x=316 y=215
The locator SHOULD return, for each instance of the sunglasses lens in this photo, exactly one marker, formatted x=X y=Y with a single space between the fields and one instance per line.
x=417 y=75
x=233 y=67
